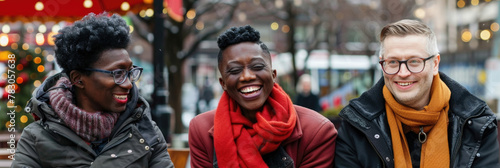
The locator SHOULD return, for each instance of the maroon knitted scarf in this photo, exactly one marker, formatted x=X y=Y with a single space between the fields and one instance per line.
x=89 y=126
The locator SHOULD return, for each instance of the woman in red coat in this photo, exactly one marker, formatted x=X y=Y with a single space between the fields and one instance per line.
x=255 y=123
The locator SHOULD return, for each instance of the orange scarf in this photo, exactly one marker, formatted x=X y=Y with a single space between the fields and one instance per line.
x=433 y=118
x=239 y=142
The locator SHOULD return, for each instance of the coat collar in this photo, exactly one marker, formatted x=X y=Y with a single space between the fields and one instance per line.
x=464 y=104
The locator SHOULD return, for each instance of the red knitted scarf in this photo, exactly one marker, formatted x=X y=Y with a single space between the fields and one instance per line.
x=239 y=142
x=89 y=126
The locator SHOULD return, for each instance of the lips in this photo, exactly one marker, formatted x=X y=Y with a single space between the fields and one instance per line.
x=250 y=92
x=250 y=89
x=122 y=98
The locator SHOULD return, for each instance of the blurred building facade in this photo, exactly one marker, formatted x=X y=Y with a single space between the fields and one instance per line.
x=466 y=31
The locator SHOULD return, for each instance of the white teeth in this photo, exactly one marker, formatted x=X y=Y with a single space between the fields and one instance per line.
x=250 y=89
x=121 y=97
x=404 y=84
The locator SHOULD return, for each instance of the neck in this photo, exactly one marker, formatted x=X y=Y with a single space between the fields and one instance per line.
x=417 y=105
x=250 y=115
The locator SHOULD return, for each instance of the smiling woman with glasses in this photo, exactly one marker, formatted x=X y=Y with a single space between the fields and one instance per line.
x=91 y=114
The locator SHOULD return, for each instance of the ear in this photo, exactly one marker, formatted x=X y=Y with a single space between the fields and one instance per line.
x=76 y=77
x=222 y=84
x=435 y=68
x=275 y=74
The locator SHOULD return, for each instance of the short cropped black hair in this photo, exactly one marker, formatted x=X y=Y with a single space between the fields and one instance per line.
x=80 y=45
x=235 y=35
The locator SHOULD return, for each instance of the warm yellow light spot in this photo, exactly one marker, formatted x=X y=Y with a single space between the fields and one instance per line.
x=142 y=13
x=50 y=38
x=275 y=26
x=42 y=28
x=4 y=40
x=165 y=10
x=474 y=2
x=494 y=26
x=4 y=76
x=26 y=46
x=7 y=124
x=485 y=35
x=150 y=12
x=242 y=17
x=50 y=58
x=148 y=1
x=40 y=68
x=45 y=53
x=5 y=28
x=419 y=13
x=487 y=0
x=20 y=67
x=37 y=60
x=39 y=6
x=88 y=3
x=131 y=28
x=19 y=80
x=200 y=25
x=38 y=50
x=191 y=14
x=19 y=108
x=285 y=28
x=37 y=83
x=125 y=6
x=461 y=4
x=466 y=36
x=14 y=46
x=56 y=28
x=39 y=39
x=24 y=119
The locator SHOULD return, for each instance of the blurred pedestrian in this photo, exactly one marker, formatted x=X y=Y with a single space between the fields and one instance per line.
x=416 y=116
x=206 y=96
x=305 y=97
x=255 y=123
x=90 y=114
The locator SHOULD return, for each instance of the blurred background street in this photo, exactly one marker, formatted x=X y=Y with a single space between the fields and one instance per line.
x=335 y=42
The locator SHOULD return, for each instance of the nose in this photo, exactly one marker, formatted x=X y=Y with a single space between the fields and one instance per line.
x=403 y=70
x=127 y=84
x=247 y=75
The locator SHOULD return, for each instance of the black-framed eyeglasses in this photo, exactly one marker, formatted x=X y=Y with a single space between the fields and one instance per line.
x=414 y=65
x=120 y=75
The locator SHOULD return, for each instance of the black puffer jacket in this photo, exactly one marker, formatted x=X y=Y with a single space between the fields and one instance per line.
x=135 y=140
x=364 y=136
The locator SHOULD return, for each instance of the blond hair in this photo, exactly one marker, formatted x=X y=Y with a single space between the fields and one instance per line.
x=409 y=27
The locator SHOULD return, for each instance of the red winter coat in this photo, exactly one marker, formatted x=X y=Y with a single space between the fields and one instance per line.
x=312 y=143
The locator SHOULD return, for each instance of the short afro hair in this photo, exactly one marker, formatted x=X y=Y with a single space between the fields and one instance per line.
x=80 y=45
x=235 y=35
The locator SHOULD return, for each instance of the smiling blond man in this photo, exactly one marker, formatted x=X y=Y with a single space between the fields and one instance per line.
x=415 y=116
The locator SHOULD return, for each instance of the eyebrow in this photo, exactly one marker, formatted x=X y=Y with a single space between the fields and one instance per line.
x=251 y=60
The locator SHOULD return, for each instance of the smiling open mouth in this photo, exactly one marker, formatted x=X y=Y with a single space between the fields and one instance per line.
x=250 y=90
x=404 y=83
x=121 y=97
